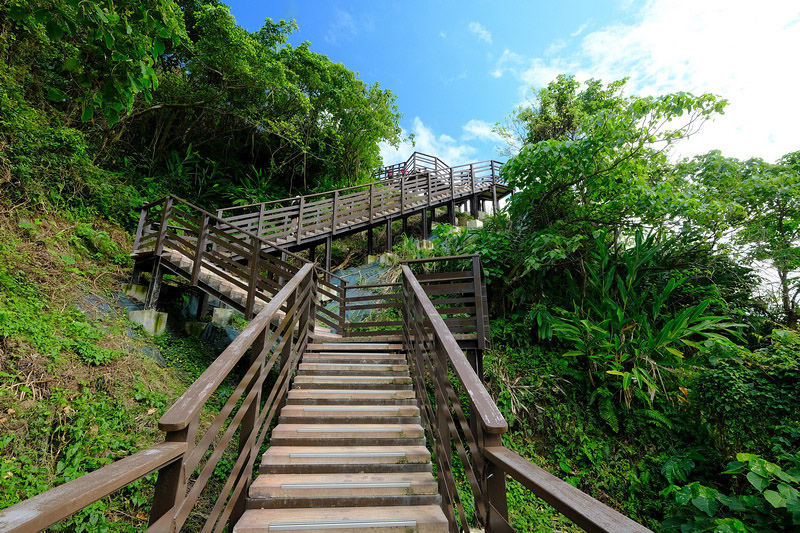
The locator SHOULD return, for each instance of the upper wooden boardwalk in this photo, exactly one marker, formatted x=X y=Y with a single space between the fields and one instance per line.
x=416 y=186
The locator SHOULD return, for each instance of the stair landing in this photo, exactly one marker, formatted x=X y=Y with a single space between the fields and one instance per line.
x=348 y=453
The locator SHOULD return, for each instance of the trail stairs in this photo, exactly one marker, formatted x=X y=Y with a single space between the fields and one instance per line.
x=352 y=415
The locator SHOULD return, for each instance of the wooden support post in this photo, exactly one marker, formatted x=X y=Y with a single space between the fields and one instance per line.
x=281 y=281
x=451 y=212
x=260 y=220
x=405 y=226
x=494 y=200
x=429 y=189
x=202 y=305
x=389 y=234
x=312 y=254
x=369 y=240
x=473 y=204
x=424 y=224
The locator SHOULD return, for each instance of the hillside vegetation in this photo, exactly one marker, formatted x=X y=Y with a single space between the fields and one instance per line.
x=635 y=353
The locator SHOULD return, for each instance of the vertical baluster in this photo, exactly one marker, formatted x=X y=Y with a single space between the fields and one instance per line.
x=252 y=283
x=333 y=213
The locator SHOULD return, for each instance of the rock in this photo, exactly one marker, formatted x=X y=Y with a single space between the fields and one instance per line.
x=153 y=322
x=474 y=224
x=190 y=308
x=389 y=259
x=153 y=353
x=482 y=215
x=194 y=328
x=425 y=245
x=219 y=336
x=222 y=316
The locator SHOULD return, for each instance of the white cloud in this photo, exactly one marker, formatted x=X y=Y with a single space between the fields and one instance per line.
x=426 y=141
x=480 y=130
x=443 y=35
x=732 y=48
x=480 y=31
x=342 y=27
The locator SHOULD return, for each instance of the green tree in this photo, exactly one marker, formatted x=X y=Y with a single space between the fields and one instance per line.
x=757 y=204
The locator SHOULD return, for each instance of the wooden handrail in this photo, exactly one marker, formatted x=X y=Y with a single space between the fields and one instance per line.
x=587 y=512
x=44 y=510
x=491 y=419
x=441 y=258
x=187 y=407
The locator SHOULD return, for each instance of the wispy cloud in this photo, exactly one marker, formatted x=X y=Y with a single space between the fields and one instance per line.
x=579 y=30
x=426 y=141
x=480 y=130
x=481 y=32
x=343 y=27
x=724 y=47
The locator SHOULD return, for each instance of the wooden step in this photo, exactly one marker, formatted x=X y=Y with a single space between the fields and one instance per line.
x=351 y=397
x=350 y=414
x=394 y=519
x=310 y=368
x=352 y=382
x=343 y=490
x=347 y=434
x=354 y=358
x=300 y=459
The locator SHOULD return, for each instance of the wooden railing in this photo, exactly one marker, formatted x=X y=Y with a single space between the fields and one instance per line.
x=236 y=257
x=442 y=377
x=459 y=296
x=309 y=218
x=194 y=448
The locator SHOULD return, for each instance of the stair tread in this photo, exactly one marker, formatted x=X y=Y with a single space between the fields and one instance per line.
x=279 y=455
x=418 y=518
x=342 y=485
x=350 y=410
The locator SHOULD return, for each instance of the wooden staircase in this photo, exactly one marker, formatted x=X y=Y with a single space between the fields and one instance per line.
x=348 y=453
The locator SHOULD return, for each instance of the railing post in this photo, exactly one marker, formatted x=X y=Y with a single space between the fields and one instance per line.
x=300 y=218
x=371 y=201
x=252 y=283
x=343 y=308
x=201 y=248
x=402 y=194
x=479 y=308
x=333 y=213
x=248 y=424
x=139 y=230
x=494 y=487
x=472 y=178
x=162 y=231
x=170 y=486
x=452 y=186
x=429 y=189
x=260 y=220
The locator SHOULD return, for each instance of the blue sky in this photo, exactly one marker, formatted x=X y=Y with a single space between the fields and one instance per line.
x=459 y=67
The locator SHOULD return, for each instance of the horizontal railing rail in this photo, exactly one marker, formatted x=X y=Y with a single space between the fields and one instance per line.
x=468 y=438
